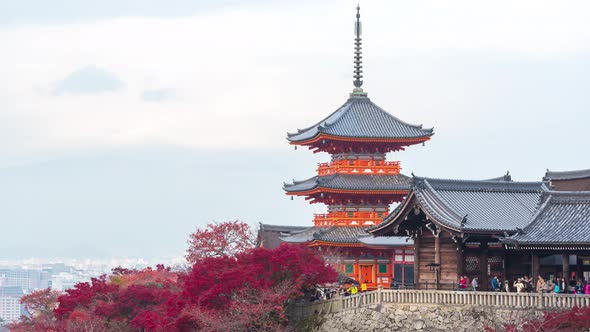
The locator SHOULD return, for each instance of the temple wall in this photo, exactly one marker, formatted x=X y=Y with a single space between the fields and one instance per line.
x=398 y=317
x=448 y=260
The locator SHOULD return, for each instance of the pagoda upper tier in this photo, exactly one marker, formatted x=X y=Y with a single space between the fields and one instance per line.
x=360 y=126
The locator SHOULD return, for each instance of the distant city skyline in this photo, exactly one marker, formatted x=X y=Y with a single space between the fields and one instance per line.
x=125 y=127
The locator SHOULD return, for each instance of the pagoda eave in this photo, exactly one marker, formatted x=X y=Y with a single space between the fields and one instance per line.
x=320 y=190
x=405 y=141
x=316 y=243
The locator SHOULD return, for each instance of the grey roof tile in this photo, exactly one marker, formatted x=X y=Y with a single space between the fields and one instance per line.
x=360 y=117
x=567 y=175
x=473 y=205
x=269 y=236
x=303 y=236
x=344 y=234
x=352 y=182
x=562 y=219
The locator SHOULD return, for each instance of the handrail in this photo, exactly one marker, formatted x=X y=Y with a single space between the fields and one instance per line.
x=460 y=298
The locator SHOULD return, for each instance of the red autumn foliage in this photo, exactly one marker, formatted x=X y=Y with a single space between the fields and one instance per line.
x=220 y=239
x=247 y=292
x=227 y=284
x=39 y=306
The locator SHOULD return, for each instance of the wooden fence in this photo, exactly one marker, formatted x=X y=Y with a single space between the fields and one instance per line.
x=459 y=298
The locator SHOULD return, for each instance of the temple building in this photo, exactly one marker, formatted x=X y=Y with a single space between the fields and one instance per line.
x=456 y=226
x=358 y=184
x=441 y=229
x=560 y=228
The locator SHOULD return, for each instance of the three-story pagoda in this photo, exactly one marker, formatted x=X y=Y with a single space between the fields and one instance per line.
x=358 y=184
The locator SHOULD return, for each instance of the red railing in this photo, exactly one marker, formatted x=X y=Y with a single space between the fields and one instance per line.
x=359 y=167
x=348 y=219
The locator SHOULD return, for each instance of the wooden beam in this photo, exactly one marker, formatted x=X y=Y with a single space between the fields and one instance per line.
x=417 y=261
x=483 y=266
x=535 y=262
x=438 y=270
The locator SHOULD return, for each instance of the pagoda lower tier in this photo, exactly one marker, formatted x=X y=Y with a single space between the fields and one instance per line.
x=372 y=262
x=352 y=188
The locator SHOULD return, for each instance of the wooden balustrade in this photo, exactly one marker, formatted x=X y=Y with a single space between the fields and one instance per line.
x=359 y=167
x=457 y=298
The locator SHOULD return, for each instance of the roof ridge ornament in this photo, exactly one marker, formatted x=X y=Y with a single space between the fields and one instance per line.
x=358 y=58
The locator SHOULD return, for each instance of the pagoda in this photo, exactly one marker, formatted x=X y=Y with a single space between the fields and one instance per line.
x=358 y=184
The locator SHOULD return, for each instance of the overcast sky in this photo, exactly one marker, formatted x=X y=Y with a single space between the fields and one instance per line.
x=125 y=124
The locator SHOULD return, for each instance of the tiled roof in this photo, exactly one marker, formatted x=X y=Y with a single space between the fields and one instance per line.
x=303 y=236
x=344 y=234
x=360 y=117
x=281 y=228
x=562 y=219
x=352 y=182
x=340 y=234
x=567 y=175
x=472 y=205
x=269 y=236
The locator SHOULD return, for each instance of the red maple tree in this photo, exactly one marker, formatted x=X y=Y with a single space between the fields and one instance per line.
x=246 y=292
x=220 y=239
x=39 y=306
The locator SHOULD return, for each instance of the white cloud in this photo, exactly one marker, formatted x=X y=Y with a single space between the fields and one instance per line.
x=242 y=76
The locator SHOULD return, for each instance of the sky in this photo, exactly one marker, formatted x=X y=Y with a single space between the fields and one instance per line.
x=127 y=124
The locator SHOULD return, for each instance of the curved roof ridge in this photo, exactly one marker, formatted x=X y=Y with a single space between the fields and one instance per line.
x=567 y=175
x=359 y=117
x=537 y=213
x=462 y=184
x=444 y=206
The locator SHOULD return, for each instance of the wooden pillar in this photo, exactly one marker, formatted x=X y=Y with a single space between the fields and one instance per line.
x=579 y=267
x=565 y=263
x=535 y=266
x=416 y=262
x=460 y=259
x=437 y=270
x=483 y=265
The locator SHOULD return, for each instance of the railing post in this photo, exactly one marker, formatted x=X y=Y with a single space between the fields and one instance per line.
x=380 y=294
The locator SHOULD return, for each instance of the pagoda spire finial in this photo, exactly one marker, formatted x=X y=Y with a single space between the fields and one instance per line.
x=358 y=58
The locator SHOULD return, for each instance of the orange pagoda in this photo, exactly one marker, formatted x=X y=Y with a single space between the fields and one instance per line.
x=358 y=184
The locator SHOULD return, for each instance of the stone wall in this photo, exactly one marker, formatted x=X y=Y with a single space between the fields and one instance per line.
x=397 y=317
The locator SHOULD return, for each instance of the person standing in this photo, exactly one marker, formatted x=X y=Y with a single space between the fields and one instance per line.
x=463 y=283
x=540 y=283
x=495 y=283
x=474 y=284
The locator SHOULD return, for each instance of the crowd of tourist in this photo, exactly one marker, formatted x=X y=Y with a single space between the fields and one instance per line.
x=526 y=284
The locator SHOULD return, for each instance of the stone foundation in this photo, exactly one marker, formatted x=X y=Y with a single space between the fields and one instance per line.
x=397 y=317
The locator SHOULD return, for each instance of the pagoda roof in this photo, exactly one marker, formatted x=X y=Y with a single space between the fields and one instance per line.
x=567 y=175
x=382 y=182
x=359 y=117
x=469 y=206
x=563 y=219
x=345 y=235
